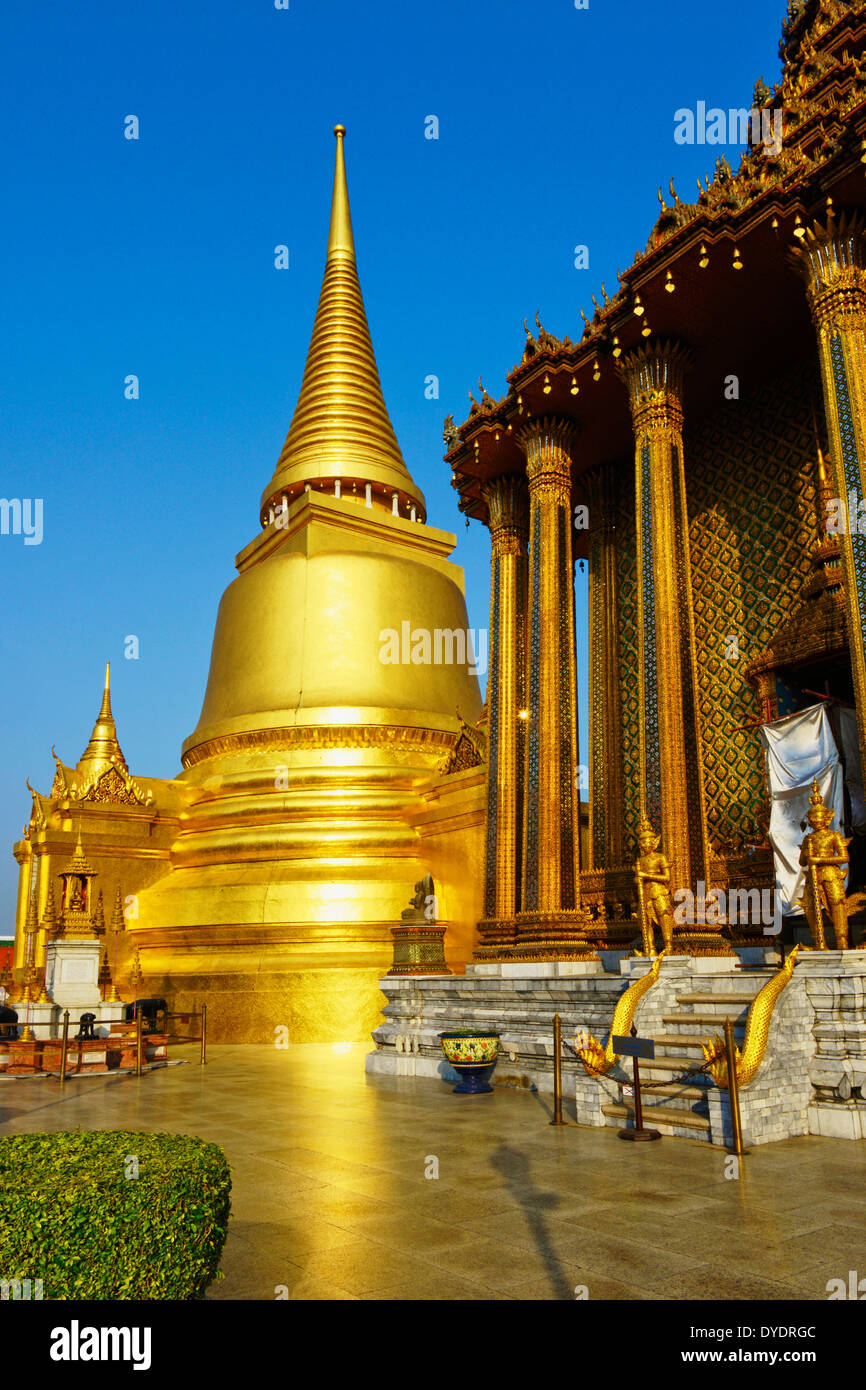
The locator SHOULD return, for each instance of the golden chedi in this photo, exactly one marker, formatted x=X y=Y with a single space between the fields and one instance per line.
x=304 y=775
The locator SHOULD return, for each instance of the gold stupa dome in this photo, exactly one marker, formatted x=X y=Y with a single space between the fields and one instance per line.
x=298 y=638
x=341 y=428
x=299 y=641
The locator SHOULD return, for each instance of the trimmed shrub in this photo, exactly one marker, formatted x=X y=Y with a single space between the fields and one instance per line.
x=113 y=1214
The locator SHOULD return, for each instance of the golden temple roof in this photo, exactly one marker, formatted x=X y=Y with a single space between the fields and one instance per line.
x=341 y=428
x=103 y=751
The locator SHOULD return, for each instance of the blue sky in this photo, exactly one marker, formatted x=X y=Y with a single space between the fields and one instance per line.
x=155 y=257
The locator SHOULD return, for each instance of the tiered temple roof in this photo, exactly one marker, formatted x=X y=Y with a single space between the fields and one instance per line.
x=714 y=271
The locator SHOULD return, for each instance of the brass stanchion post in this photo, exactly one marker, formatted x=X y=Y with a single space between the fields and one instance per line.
x=203 y=1034
x=64 y=1046
x=733 y=1087
x=638 y=1133
x=557 y=1072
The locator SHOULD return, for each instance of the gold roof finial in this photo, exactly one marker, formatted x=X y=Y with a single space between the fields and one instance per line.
x=103 y=750
x=341 y=427
x=340 y=239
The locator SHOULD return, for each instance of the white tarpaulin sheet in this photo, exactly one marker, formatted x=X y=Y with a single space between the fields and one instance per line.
x=796 y=749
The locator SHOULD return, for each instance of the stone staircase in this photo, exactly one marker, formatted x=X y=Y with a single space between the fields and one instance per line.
x=678 y=1107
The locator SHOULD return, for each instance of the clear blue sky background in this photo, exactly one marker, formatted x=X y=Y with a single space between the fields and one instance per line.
x=155 y=257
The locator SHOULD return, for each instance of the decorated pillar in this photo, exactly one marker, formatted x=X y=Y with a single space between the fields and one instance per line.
x=832 y=259
x=605 y=727
x=508 y=510
x=671 y=790
x=551 y=848
x=28 y=864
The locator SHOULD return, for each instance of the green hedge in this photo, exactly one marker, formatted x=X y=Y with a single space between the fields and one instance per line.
x=73 y=1215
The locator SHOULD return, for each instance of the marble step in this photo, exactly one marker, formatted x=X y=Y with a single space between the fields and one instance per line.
x=724 y=1000
x=701 y=1020
x=687 y=1040
x=673 y=1064
x=688 y=1100
x=658 y=1116
x=682 y=1091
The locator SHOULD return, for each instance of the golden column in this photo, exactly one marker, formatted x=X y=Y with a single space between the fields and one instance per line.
x=605 y=710
x=551 y=847
x=672 y=777
x=831 y=258
x=508 y=510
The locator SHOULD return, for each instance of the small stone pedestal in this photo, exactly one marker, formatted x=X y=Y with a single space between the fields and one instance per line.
x=419 y=950
x=72 y=974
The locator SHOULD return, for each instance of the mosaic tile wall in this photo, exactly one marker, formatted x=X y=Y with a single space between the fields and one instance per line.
x=750 y=483
x=628 y=657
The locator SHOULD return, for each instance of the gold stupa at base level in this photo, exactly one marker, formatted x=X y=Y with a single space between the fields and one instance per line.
x=266 y=878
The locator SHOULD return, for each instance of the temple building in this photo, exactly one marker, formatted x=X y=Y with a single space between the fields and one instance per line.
x=702 y=447
x=264 y=879
x=688 y=446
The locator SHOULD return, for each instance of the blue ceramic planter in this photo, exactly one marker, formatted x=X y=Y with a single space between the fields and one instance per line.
x=473 y=1055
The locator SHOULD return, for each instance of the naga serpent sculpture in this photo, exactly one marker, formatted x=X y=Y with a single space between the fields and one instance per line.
x=757 y=1031
x=599 y=1060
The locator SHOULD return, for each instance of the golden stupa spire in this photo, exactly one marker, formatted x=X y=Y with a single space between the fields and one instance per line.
x=340 y=239
x=103 y=750
x=341 y=428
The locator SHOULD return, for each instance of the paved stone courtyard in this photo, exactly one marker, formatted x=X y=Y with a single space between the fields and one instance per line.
x=330 y=1198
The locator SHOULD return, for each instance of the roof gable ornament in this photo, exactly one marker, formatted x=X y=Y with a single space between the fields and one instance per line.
x=101 y=774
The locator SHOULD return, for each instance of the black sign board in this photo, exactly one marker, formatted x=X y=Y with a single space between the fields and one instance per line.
x=634 y=1047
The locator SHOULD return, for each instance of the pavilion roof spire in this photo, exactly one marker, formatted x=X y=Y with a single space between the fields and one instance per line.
x=341 y=427
x=103 y=750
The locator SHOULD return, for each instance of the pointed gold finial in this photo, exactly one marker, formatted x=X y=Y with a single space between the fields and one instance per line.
x=103 y=750
x=78 y=864
x=341 y=427
x=105 y=707
x=340 y=239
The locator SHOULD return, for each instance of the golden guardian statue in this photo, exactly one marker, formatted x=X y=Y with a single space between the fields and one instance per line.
x=653 y=879
x=824 y=856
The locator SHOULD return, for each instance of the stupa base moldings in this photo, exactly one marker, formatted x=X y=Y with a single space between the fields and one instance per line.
x=278 y=1006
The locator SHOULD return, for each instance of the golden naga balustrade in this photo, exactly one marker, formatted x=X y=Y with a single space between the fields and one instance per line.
x=758 y=1022
x=600 y=1060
